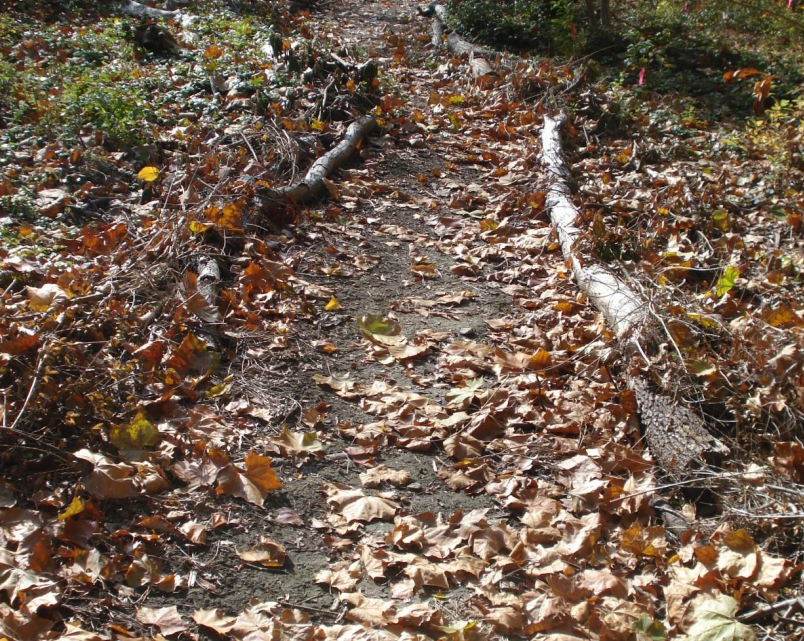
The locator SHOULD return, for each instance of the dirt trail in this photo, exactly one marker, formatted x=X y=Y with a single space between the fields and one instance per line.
x=414 y=246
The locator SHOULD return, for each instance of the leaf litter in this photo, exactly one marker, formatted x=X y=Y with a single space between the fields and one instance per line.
x=416 y=335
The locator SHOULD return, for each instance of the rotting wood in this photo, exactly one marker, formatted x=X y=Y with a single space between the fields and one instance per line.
x=313 y=185
x=675 y=434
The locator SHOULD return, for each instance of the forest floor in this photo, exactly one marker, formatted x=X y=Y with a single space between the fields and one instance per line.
x=406 y=421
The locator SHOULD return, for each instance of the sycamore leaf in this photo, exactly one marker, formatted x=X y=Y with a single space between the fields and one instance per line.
x=462 y=397
x=41 y=299
x=148 y=174
x=296 y=442
x=267 y=552
x=214 y=620
x=168 y=620
x=726 y=282
x=715 y=621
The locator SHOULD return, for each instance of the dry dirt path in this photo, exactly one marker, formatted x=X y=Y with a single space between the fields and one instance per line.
x=440 y=227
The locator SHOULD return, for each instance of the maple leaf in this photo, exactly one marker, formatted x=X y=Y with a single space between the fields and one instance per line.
x=375 y=476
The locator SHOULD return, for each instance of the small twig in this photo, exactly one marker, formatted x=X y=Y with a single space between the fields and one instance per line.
x=687 y=482
x=251 y=149
x=772 y=607
x=307 y=608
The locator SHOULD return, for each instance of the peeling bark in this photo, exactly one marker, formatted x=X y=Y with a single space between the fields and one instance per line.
x=675 y=434
x=208 y=283
x=313 y=185
x=624 y=310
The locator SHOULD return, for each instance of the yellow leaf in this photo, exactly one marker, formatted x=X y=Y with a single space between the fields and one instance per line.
x=197 y=228
x=148 y=174
x=333 y=304
x=76 y=507
x=318 y=125
x=139 y=434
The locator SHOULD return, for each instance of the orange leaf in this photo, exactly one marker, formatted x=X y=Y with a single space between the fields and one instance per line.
x=260 y=472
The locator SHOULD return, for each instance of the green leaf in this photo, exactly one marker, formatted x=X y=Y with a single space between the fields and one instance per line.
x=726 y=282
x=462 y=396
x=649 y=629
x=377 y=324
x=714 y=621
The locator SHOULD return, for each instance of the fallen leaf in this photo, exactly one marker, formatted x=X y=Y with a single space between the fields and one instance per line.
x=267 y=552
x=168 y=619
x=715 y=621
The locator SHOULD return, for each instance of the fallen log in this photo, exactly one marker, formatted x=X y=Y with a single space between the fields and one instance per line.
x=478 y=56
x=675 y=434
x=313 y=185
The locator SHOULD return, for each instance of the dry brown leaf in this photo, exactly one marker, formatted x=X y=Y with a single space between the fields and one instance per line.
x=375 y=476
x=214 y=620
x=356 y=506
x=343 y=576
x=369 y=611
x=267 y=552
x=167 y=619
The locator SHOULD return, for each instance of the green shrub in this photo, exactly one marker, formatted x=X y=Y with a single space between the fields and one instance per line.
x=548 y=25
x=112 y=105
